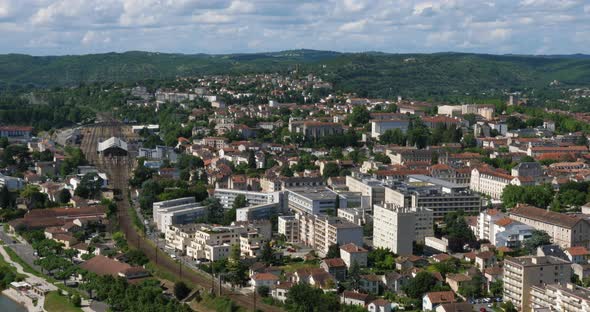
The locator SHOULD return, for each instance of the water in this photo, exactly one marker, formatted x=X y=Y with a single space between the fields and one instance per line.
x=6 y=304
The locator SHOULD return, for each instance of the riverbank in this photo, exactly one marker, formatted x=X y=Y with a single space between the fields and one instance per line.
x=20 y=298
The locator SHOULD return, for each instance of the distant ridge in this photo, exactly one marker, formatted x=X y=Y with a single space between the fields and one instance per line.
x=374 y=73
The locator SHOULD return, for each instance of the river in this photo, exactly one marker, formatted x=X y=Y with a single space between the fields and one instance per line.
x=6 y=304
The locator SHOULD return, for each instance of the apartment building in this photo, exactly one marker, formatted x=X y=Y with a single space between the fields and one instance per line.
x=372 y=188
x=522 y=273
x=312 y=200
x=176 y=211
x=566 y=297
x=251 y=244
x=228 y=196
x=440 y=196
x=491 y=182
x=158 y=153
x=397 y=227
x=257 y=212
x=380 y=126
x=500 y=230
x=565 y=230
x=214 y=242
x=289 y=227
x=179 y=237
x=329 y=231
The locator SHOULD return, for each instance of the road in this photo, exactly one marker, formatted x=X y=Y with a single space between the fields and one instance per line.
x=118 y=169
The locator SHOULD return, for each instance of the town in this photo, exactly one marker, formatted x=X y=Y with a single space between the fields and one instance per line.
x=277 y=191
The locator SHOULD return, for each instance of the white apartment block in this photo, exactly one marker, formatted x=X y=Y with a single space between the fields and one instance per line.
x=214 y=242
x=500 y=230
x=333 y=230
x=289 y=227
x=179 y=237
x=378 y=127
x=522 y=273
x=176 y=211
x=396 y=228
x=352 y=215
x=312 y=200
x=227 y=197
x=371 y=188
x=566 y=297
x=257 y=212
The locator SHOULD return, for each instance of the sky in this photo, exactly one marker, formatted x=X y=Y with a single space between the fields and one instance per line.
x=58 y=27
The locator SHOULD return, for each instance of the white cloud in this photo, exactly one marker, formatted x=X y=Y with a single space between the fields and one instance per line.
x=356 y=26
x=491 y=26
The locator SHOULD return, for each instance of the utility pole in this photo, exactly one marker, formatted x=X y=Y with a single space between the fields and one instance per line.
x=254 y=299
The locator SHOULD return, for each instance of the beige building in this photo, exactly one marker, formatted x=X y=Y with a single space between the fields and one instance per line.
x=179 y=237
x=396 y=228
x=522 y=273
x=565 y=230
x=566 y=297
x=214 y=242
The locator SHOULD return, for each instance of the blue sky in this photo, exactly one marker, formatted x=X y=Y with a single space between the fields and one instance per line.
x=56 y=27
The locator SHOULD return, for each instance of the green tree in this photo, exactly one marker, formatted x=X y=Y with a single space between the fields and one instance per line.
x=380 y=157
x=331 y=169
x=333 y=251
x=89 y=186
x=64 y=196
x=419 y=285
x=393 y=136
x=181 y=290
x=76 y=300
x=267 y=254
x=240 y=202
x=359 y=116
x=472 y=288
x=33 y=197
x=303 y=298
x=538 y=238
x=497 y=288
x=263 y=291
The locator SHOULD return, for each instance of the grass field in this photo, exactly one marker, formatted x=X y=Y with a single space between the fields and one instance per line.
x=54 y=302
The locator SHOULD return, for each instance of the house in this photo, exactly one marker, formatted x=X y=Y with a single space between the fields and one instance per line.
x=432 y=300
x=455 y=281
x=394 y=281
x=336 y=267
x=264 y=279
x=354 y=298
x=351 y=253
x=279 y=292
x=379 y=305
x=485 y=259
x=370 y=283
x=408 y=262
x=578 y=254
x=455 y=307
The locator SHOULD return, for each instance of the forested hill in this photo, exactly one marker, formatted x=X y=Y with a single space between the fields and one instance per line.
x=374 y=73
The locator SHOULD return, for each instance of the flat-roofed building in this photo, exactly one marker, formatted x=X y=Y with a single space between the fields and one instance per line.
x=227 y=197
x=372 y=188
x=566 y=297
x=312 y=200
x=522 y=273
x=440 y=196
x=397 y=227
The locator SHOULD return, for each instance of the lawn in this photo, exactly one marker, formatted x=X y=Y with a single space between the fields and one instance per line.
x=55 y=302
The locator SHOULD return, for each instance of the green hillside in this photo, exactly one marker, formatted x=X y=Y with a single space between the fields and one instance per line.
x=370 y=74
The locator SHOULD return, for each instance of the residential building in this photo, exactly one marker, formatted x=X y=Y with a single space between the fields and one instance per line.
x=380 y=126
x=158 y=153
x=11 y=183
x=351 y=253
x=289 y=227
x=336 y=267
x=315 y=129
x=227 y=197
x=312 y=200
x=177 y=211
x=179 y=237
x=257 y=212
x=440 y=196
x=397 y=227
x=372 y=188
x=500 y=230
x=565 y=230
x=491 y=182
x=432 y=300
x=566 y=297
x=329 y=231
x=214 y=242
x=522 y=273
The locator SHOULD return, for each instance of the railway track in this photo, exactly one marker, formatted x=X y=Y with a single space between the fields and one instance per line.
x=118 y=169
